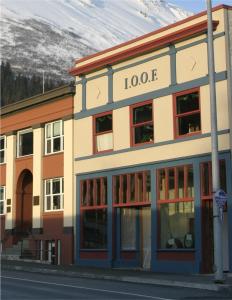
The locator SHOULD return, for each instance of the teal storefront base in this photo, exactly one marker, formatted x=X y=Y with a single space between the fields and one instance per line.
x=192 y=262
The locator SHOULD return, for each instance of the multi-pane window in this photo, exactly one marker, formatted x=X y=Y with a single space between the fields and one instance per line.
x=54 y=194
x=206 y=180
x=2 y=199
x=142 y=124
x=93 y=198
x=2 y=149
x=103 y=132
x=54 y=137
x=175 y=193
x=132 y=189
x=187 y=113
x=25 y=142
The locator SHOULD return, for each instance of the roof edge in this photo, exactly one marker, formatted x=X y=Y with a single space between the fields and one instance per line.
x=218 y=7
x=141 y=49
x=38 y=99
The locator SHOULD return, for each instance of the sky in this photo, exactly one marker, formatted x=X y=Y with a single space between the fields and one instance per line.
x=198 y=5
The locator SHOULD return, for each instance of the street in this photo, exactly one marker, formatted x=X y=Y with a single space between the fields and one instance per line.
x=25 y=285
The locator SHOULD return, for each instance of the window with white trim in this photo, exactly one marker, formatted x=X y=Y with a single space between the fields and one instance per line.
x=54 y=137
x=2 y=149
x=54 y=194
x=2 y=199
x=25 y=142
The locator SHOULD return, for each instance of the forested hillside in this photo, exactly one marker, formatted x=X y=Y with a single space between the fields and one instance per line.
x=16 y=86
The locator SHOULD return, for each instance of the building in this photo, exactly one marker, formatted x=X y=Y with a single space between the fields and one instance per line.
x=36 y=205
x=142 y=168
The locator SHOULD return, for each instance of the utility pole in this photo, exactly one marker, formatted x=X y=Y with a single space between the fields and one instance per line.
x=217 y=224
x=43 y=82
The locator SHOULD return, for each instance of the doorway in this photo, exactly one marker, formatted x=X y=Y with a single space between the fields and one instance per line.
x=145 y=237
x=24 y=202
x=207 y=236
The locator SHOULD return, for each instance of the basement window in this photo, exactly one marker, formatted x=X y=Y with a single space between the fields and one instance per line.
x=25 y=142
x=188 y=115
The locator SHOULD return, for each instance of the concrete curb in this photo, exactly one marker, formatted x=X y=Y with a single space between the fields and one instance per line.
x=130 y=279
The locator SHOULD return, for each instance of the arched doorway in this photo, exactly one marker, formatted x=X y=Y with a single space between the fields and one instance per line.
x=24 y=202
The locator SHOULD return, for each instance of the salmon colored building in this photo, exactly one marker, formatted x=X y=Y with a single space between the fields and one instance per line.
x=36 y=177
x=143 y=170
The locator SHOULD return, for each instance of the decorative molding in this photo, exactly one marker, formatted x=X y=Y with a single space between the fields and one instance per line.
x=173 y=64
x=130 y=65
x=177 y=36
x=84 y=81
x=146 y=166
x=142 y=147
x=110 y=84
x=169 y=90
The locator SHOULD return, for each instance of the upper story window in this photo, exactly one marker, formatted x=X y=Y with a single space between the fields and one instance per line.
x=25 y=142
x=2 y=199
x=187 y=113
x=142 y=124
x=2 y=149
x=103 y=132
x=54 y=137
x=54 y=194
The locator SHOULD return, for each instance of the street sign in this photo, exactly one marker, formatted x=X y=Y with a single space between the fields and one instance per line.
x=221 y=199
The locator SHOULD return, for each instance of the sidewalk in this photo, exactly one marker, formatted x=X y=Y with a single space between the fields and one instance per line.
x=197 y=281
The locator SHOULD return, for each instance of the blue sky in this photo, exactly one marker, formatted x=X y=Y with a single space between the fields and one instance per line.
x=198 y=5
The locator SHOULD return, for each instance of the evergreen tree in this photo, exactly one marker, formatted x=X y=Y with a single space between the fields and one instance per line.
x=17 y=86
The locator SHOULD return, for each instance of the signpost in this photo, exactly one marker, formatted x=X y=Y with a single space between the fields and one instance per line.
x=217 y=224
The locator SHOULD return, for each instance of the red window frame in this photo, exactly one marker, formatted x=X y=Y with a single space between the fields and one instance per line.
x=95 y=134
x=177 y=116
x=209 y=195
x=128 y=202
x=176 y=198
x=133 y=126
x=94 y=205
x=103 y=194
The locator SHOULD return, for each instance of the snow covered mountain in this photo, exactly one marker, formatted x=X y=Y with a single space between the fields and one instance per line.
x=48 y=35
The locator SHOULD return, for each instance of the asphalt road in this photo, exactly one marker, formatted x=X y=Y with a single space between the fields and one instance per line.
x=17 y=285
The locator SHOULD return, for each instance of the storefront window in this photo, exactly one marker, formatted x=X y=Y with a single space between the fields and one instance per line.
x=176 y=207
x=94 y=213
x=177 y=225
x=94 y=229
